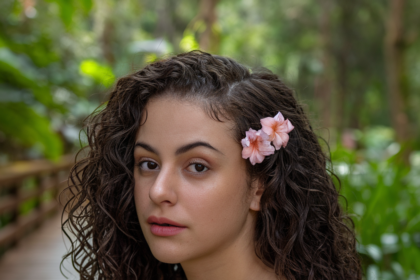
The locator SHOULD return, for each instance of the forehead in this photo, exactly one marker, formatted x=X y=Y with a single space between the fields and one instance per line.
x=176 y=121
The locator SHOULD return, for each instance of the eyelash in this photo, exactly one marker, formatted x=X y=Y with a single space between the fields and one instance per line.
x=145 y=161
x=206 y=168
x=200 y=163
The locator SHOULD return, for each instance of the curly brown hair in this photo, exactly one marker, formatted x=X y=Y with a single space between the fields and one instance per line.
x=301 y=230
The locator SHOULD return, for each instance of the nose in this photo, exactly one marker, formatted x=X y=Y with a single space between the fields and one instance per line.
x=163 y=191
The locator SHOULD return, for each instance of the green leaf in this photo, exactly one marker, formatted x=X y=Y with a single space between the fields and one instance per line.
x=10 y=70
x=66 y=11
x=100 y=73
x=188 y=42
x=20 y=122
x=87 y=5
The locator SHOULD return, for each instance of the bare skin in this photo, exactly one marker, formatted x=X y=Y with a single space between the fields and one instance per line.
x=202 y=187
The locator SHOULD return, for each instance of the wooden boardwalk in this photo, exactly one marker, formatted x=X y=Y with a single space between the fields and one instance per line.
x=38 y=256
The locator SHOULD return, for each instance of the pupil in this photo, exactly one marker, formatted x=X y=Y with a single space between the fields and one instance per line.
x=151 y=165
x=199 y=167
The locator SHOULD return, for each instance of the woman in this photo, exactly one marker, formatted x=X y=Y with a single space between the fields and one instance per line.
x=198 y=168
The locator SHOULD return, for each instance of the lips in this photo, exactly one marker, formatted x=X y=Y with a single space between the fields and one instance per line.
x=164 y=227
x=163 y=222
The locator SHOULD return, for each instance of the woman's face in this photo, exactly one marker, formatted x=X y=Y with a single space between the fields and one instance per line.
x=189 y=170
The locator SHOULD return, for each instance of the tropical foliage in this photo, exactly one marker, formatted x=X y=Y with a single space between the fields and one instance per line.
x=354 y=64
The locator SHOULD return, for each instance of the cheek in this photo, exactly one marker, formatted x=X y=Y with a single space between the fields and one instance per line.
x=141 y=195
x=221 y=206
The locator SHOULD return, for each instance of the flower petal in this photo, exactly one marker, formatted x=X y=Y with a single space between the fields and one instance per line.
x=246 y=152
x=251 y=134
x=257 y=144
x=262 y=136
x=245 y=142
x=256 y=157
x=279 y=117
x=285 y=127
x=265 y=148
x=289 y=126
x=277 y=141
x=285 y=138
x=281 y=140
x=268 y=125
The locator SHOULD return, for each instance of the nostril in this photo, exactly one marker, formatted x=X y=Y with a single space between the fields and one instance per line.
x=163 y=190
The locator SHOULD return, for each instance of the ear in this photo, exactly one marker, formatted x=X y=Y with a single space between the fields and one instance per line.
x=257 y=190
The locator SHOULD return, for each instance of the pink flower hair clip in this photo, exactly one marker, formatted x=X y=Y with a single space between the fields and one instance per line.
x=257 y=144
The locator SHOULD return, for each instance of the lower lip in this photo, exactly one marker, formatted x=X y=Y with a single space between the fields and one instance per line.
x=164 y=230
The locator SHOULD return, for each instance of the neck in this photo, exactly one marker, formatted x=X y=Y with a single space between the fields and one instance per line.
x=237 y=262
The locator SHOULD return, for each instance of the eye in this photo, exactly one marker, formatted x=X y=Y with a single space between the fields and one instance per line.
x=197 y=167
x=148 y=165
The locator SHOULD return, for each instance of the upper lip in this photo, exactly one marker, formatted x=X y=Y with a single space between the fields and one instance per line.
x=162 y=220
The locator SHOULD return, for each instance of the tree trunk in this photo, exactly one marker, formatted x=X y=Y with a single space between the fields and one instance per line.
x=107 y=41
x=323 y=84
x=165 y=25
x=342 y=59
x=209 y=39
x=394 y=52
x=394 y=57
x=103 y=27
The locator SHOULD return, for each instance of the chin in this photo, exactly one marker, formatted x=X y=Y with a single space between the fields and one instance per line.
x=167 y=255
x=167 y=259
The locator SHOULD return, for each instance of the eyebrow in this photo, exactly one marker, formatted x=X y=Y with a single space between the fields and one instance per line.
x=146 y=147
x=180 y=150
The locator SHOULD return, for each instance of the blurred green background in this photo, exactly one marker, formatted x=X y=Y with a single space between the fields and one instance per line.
x=354 y=64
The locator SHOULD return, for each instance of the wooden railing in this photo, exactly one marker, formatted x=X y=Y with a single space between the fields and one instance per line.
x=29 y=194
